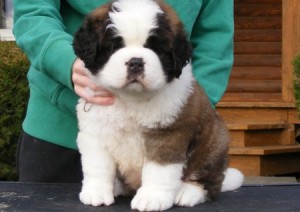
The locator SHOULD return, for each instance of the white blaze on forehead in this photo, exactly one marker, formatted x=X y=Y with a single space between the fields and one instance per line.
x=134 y=19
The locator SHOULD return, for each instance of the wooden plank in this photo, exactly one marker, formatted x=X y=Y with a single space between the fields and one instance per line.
x=254 y=86
x=268 y=165
x=256 y=73
x=288 y=136
x=291 y=45
x=253 y=60
x=257 y=47
x=249 y=165
x=255 y=138
x=252 y=97
x=258 y=22
x=265 y=150
x=254 y=115
x=294 y=116
x=256 y=126
x=258 y=1
x=237 y=138
x=258 y=35
x=256 y=105
x=255 y=10
x=280 y=164
x=257 y=134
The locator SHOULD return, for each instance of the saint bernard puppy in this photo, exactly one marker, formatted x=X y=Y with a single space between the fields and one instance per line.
x=161 y=140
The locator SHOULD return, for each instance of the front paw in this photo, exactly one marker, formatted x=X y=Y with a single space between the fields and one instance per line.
x=96 y=196
x=190 y=195
x=149 y=199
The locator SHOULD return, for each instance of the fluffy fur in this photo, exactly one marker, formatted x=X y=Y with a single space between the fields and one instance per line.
x=161 y=140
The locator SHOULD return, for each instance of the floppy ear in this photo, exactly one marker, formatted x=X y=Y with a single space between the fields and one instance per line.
x=86 y=43
x=88 y=38
x=181 y=47
x=182 y=52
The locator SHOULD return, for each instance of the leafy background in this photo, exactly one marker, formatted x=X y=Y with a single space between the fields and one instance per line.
x=13 y=100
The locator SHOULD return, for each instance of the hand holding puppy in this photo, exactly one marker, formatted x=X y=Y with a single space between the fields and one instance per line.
x=88 y=90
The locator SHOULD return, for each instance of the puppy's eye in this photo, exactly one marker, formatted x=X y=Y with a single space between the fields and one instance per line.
x=116 y=44
x=158 y=44
x=153 y=43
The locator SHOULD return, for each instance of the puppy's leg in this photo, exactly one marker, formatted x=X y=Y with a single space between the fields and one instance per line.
x=98 y=171
x=160 y=184
x=120 y=189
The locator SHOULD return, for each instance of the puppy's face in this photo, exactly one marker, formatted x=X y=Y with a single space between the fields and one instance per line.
x=135 y=46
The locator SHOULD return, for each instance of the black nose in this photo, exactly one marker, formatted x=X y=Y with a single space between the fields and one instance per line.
x=135 y=65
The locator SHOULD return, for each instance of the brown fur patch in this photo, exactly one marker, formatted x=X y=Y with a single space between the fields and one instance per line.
x=176 y=24
x=132 y=178
x=198 y=138
x=100 y=14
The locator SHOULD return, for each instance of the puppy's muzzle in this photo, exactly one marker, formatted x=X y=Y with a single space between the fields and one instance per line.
x=135 y=68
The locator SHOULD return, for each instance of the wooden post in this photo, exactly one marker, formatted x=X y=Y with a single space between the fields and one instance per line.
x=290 y=45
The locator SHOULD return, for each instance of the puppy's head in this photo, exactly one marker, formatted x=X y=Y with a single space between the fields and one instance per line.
x=133 y=45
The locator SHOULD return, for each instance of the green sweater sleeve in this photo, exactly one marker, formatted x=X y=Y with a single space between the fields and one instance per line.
x=39 y=31
x=212 y=39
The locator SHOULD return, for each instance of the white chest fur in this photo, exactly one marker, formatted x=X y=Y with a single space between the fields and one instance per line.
x=116 y=131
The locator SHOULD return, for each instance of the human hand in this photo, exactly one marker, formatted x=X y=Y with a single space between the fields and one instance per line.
x=88 y=90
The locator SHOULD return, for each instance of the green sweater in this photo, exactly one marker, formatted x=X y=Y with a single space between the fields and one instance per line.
x=44 y=30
